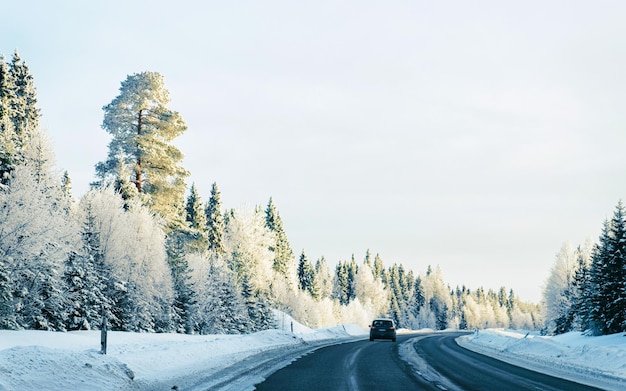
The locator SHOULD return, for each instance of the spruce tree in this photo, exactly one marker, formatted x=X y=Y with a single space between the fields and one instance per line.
x=84 y=292
x=341 y=284
x=323 y=279
x=25 y=114
x=257 y=304
x=215 y=223
x=283 y=254
x=597 y=279
x=378 y=269
x=223 y=311
x=581 y=305
x=417 y=300
x=306 y=275
x=615 y=272
x=8 y=137
x=19 y=115
x=7 y=306
x=196 y=221
x=184 y=295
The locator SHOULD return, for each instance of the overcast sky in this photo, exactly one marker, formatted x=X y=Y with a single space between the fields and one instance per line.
x=478 y=136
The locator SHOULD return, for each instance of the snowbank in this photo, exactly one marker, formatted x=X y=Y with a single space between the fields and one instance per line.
x=597 y=361
x=37 y=360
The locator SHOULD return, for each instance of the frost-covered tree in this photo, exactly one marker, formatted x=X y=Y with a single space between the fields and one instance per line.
x=19 y=115
x=558 y=291
x=184 y=294
x=306 y=275
x=437 y=299
x=9 y=144
x=378 y=269
x=257 y=304
x=196 y=221
x=343 y=289
x=35 y=238
x=87 y=277
x=215 y=224
x=132 y=246
x=323 y=279
x=370 y=291
x=142 y=129
x=581 y=304
x=222 y=308
x=247 y=243
x=23 y=100
x=607 y=301
x=614 y=287
x=284 y=260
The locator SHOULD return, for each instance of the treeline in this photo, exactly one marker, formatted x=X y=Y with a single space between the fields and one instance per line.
x=144 y=249
x=416 y=301
x=586 y=289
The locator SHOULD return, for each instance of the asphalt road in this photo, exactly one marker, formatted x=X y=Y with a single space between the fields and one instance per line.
x=365 y=365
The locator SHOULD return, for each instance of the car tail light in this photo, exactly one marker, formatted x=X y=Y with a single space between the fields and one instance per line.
x=391 y=329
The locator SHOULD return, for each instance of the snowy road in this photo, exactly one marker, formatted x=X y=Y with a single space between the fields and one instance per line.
x=436 y=363
x=456 y=368
x=361 y=365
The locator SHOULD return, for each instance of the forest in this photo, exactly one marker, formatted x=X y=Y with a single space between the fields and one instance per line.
x=143 y=248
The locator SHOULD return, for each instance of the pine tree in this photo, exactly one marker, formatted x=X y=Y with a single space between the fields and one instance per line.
x=132 y=245
x=306 y=276
x=283 y=255
x=142 y=129
x=223 y=310
x=341 y=284
x=417 y=300
x=184 y=295
x=323 y=279
x=615 y=274
x=84 y=292
x=7 y=308
x=581 y=305
x=378 y=269
x=215 y=221
x=19 y=115
x=259 y=312
x=36 y=238
x=8 y=137
x=598 y=276
x=368 y=259
x=23 y=105
x=196 y=220
x=558 y=291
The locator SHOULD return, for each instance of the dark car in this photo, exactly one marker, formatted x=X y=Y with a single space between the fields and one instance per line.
x=383 y=328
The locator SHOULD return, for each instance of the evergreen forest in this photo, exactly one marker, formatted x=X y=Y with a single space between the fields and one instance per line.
x=153 y=253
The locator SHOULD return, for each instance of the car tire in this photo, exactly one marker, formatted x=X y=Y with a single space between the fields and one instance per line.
x=393 y=340
x=371 y=339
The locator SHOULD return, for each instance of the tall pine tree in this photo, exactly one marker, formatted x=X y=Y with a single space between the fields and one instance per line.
x=142 y=129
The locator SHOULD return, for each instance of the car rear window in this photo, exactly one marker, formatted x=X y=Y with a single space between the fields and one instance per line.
x=382 y=323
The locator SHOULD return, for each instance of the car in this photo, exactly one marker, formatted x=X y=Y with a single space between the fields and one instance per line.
x=383 y=328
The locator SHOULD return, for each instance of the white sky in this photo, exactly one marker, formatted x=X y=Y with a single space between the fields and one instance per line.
x=478 y=136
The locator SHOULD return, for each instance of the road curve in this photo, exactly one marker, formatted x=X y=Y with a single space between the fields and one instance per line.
x=443 y=365
x=466 y=370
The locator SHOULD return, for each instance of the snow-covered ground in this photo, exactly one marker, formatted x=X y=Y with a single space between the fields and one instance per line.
x=37 y=360
x=597 y=361
x=40 y=360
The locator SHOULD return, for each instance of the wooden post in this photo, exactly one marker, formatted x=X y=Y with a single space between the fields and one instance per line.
x=103 y=333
